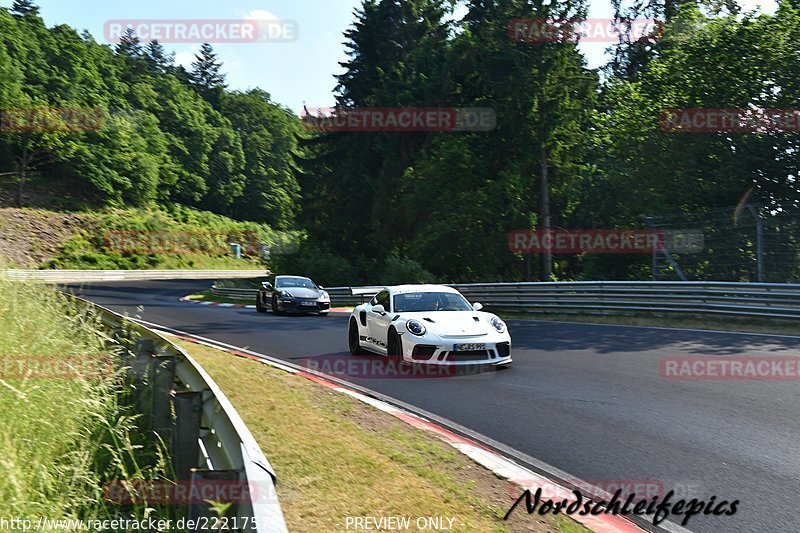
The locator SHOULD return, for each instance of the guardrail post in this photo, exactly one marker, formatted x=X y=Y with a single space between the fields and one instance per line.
x=162 y=376
x=186 y=433
x=143 y=350
x=225 y=484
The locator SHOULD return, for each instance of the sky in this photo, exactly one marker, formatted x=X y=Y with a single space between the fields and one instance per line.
x=295 y=72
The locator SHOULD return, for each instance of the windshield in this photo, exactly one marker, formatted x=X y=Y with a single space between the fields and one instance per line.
x=287 y=283
x=430 y=301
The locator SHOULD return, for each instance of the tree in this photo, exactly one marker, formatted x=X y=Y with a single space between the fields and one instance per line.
x=396 y=58
x=206 y=75
x=268 y=133
x=541 y=93
x=24 y=8
x=158 y=60
x=129 y=45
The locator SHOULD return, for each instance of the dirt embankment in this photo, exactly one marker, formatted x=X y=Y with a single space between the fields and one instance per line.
x=30 y=237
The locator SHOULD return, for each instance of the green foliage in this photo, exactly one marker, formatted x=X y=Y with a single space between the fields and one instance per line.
x=571 y=148
x=170 y=237
x=268 y=132
x=399 y=270
x=163 y=137
x=323 y=266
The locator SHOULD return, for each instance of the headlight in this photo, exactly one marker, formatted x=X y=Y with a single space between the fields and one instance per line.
x=498 y=324
x=324 y=296
x=285 y=294
x=415 y=327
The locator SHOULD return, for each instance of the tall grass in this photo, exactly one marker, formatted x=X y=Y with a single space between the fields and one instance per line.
x=62 y=438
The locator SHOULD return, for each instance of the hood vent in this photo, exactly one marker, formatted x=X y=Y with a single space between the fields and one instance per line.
x=429 y=320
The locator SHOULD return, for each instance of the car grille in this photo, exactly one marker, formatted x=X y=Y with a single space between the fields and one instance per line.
x=503 y=349
x=474 y=355
x=297 y=306
x=423 y=352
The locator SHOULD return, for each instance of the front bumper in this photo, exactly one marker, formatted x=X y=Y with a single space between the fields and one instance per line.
x=495 y=352
x=299 y=305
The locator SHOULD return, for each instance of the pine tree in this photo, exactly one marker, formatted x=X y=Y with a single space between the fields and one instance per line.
x=158 y=59
x=396 y=58
x=23 y=8
x=206 y=75
x=129 y=45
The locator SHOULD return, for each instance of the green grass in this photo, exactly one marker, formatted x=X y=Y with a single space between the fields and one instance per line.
x=63 y=436
x=337 y=457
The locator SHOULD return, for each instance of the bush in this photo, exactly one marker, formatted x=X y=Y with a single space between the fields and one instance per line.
x=400 y=270
x=201 y=241
x=323 y=266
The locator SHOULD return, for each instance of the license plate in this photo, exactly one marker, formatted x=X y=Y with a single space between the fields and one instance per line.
x=469 y=347
x=314 y=304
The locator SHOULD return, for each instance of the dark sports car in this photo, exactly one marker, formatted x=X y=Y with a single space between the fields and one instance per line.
x=292 y=294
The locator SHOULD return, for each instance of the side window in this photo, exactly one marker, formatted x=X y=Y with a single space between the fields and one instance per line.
x=383 y=299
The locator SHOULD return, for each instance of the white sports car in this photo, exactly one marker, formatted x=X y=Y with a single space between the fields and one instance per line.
x=431 y=324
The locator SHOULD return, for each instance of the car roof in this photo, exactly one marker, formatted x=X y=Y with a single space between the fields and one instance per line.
x=400 y=289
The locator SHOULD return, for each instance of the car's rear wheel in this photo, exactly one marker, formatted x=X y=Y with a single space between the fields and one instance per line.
x=275 y=310
x=352 y=338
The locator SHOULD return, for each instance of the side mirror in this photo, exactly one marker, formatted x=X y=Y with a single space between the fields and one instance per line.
x=477 y=307
x=266 y=284
x=379 y=309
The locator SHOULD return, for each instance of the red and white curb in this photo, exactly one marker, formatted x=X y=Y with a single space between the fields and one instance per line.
x=246 y=306
x=498 y=464
x=216 y=304
x=489 y=459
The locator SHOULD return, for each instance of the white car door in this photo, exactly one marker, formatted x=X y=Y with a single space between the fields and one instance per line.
x=378 y=323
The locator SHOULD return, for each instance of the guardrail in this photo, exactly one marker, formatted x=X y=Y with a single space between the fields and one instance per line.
x=86 y=276
x=337 y=294
x=209 y=442
x=766 y=300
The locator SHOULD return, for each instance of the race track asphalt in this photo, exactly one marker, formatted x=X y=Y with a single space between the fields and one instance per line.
x=587 y=399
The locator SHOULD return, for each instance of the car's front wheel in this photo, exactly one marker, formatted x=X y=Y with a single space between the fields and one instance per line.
x=259 y=306
x=394 y=345
x=352 y=338
x=275 y=310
